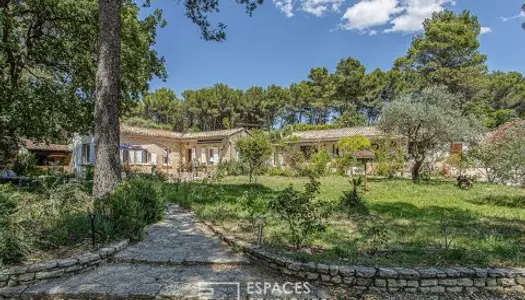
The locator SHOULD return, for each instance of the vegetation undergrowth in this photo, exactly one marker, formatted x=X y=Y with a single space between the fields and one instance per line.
x=57 y=217
x=400 y=223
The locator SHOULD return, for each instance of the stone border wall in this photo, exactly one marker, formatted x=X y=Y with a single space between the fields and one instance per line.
x=364 y=278
x=25 y=274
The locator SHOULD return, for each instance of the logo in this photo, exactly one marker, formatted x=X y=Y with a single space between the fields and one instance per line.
x=255 y=291
x=219 y=290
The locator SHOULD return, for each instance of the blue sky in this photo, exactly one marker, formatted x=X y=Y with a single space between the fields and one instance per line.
x=284 y=39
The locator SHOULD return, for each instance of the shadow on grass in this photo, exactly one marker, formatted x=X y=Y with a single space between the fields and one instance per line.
x=427 y=215
x=501 y=200
x=463 y=221
x=188 y=193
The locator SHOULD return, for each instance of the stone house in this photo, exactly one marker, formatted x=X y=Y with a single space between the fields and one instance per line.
x=143 y=149
x=57 y=156
x=315 y=140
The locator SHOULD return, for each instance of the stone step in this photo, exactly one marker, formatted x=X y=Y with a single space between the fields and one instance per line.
x=182 y=261
x=145 y=281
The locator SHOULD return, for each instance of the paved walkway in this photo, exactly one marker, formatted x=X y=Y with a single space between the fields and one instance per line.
x=178 y=259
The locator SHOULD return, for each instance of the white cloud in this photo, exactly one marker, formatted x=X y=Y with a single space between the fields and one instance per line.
x=415 y=12
x=521 y=15
x=369 y=13
x=320 y=7
x=286 y=6
x=485 y=30
x=405 y=16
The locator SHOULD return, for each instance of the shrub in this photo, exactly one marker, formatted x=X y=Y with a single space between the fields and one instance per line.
x=231 y=168
x=53 y=217
x=254 y=152
x=25 y=164
x=319 y=162
x=135 y=203
x=390 y=158
x=11 y=246
x=252 y=202
x=352 y=200
x=300 y=212
x=280 y=172
x=294 y=159
x=349 y=147
x=90 y=173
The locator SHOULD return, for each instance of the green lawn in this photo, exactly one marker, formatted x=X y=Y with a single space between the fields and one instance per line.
x=485 y=225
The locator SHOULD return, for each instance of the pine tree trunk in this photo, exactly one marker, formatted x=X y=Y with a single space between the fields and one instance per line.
x=107 y=128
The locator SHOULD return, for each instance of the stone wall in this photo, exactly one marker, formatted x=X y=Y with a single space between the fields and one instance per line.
x=365 y=278
x=24 y=274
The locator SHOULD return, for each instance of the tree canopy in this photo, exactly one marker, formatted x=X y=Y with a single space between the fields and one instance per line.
x=428 y=120
x=445 y=54
x=48 y=64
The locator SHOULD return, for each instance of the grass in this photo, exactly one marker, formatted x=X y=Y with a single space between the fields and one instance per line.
x=485 y=225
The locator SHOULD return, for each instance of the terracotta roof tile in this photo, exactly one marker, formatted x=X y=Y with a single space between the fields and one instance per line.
x=31 y=145
x=211 y=134
x=333 y=134
x=125 y=129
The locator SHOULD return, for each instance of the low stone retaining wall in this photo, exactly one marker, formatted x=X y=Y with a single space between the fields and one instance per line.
x=364 y=278
x=24 y=274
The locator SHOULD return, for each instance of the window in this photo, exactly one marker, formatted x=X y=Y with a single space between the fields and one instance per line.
x=139 y=156
x=335 y=150
x=86 y=153
x=145 y=157
x=308 y=150
x=125 y=156
x=210 y=156
x=131 y=156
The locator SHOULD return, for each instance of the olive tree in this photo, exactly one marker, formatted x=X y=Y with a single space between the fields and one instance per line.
x=429 y=120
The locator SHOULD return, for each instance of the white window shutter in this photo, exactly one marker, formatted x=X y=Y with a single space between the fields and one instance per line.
x=215 y=156
x=203 y=155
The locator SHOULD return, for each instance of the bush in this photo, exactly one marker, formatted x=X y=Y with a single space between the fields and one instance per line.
x=54 y=217
x=90 y=173
x=319 y=162
x=231 y=168
x=390 y=158
x=254 y=152
x=352 y=201
x=300 y=212
x=57 y=214
x=135 y=203
x=252 y=202
x=280 y=172
x=25 y=165
x=11 y=246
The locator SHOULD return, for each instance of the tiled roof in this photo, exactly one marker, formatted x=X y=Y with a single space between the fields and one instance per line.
x=31 y=145
x=333 y=134
x=211 y=134
x=125 y=129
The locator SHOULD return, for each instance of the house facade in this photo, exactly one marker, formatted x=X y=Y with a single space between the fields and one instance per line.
x=317 y=140
x=143 y=149
x=49 y=156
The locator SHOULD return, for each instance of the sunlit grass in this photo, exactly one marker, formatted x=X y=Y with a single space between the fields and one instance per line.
x=484 y=225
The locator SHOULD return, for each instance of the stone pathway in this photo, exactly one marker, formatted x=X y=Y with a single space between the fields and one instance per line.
x=178 y=259
x=180 y=240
